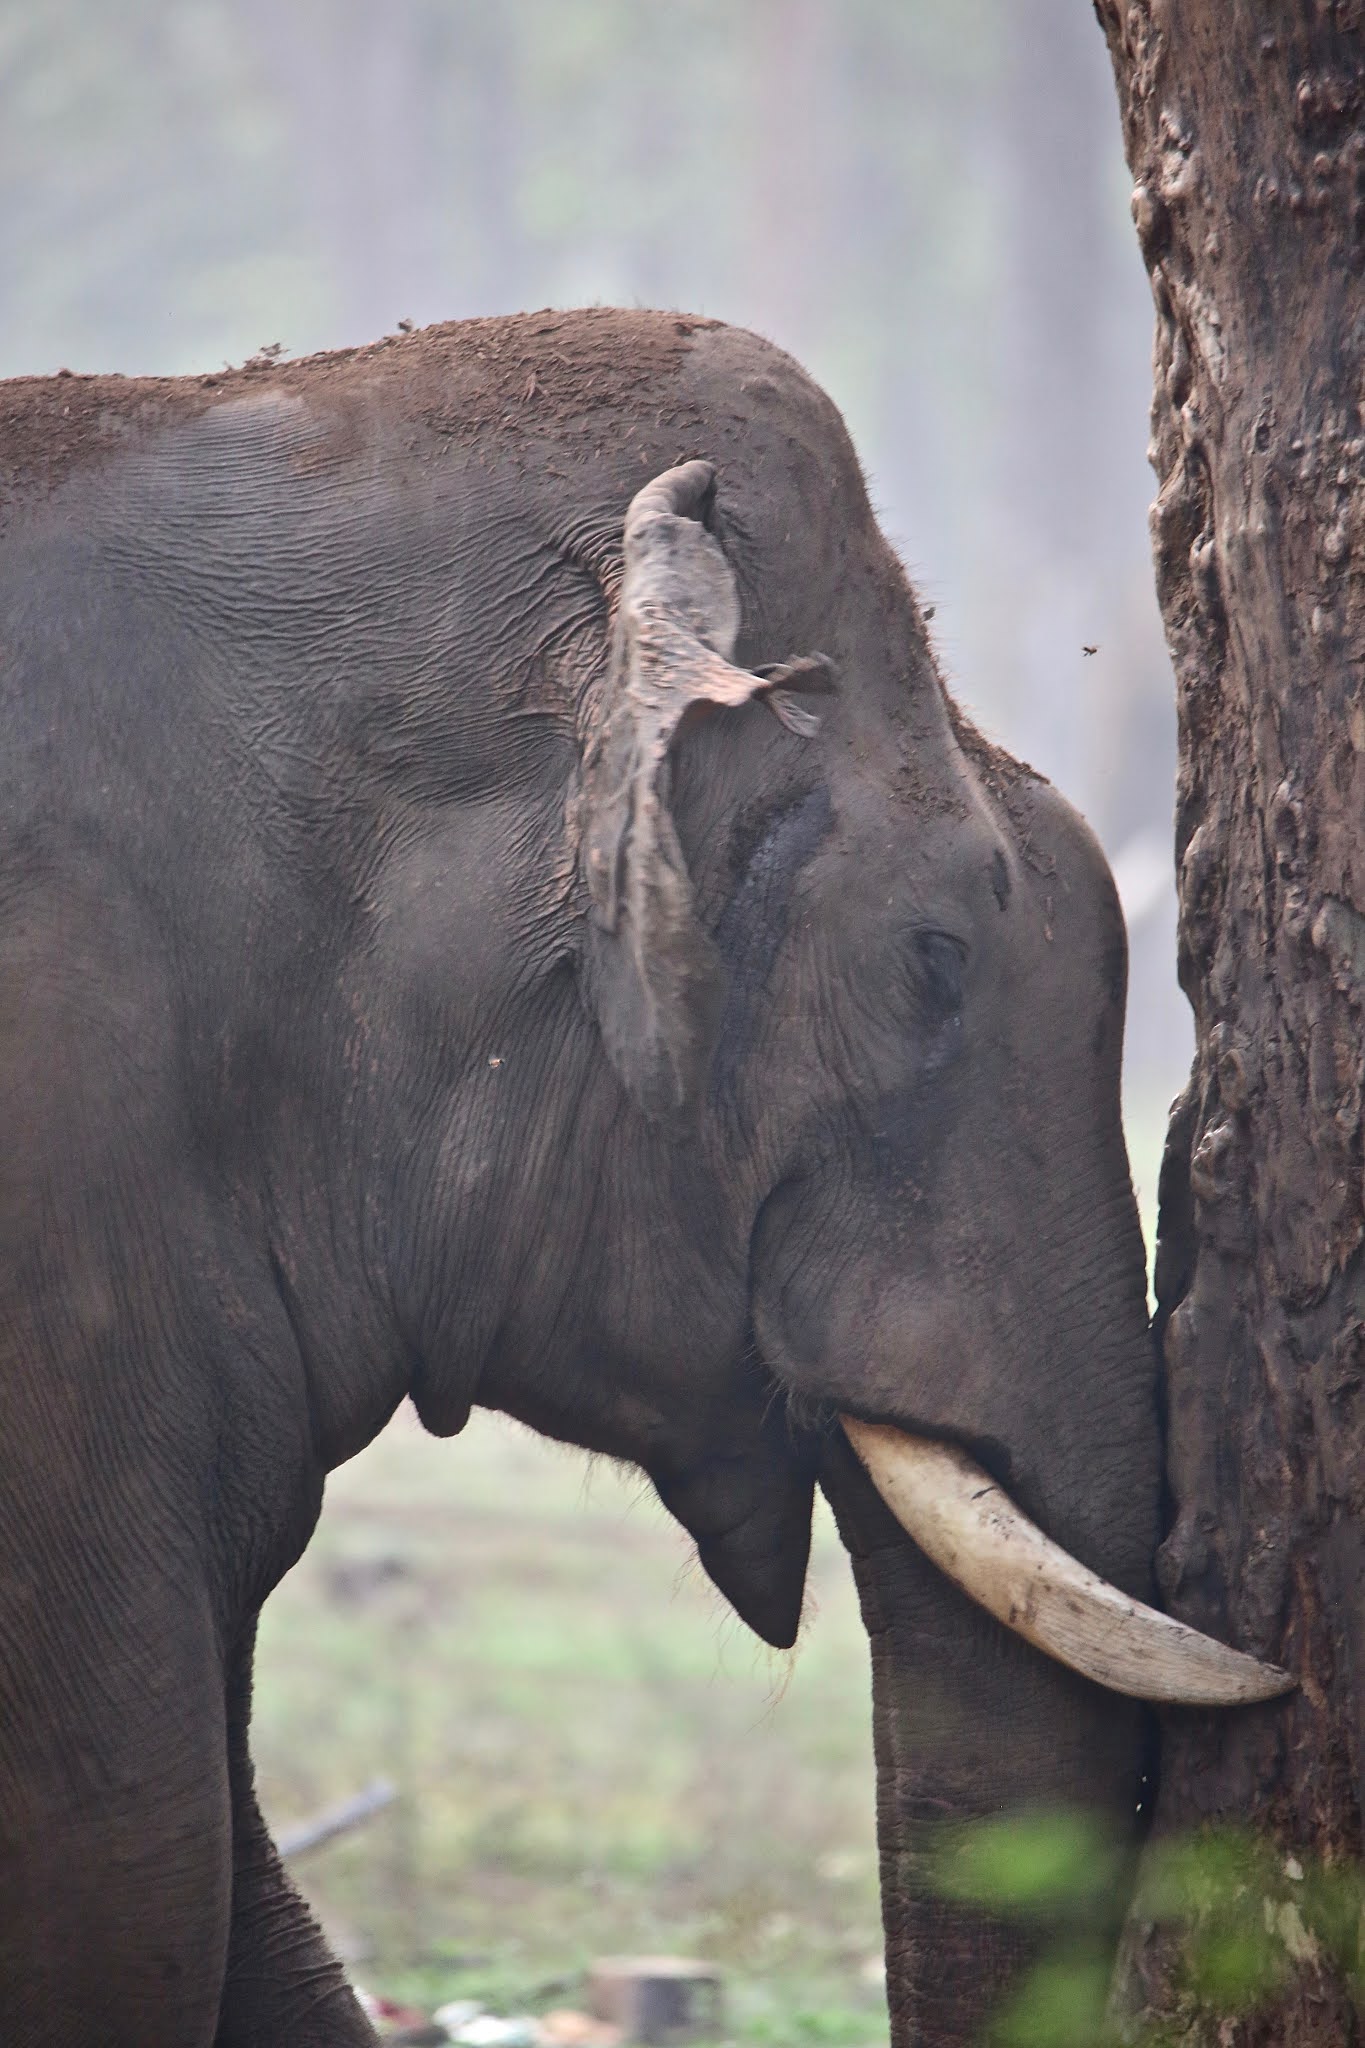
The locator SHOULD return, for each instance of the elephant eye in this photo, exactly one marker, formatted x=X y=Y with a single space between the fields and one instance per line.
x=942 y=960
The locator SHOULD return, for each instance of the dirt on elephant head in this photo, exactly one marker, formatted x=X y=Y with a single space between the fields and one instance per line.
x=563 y=373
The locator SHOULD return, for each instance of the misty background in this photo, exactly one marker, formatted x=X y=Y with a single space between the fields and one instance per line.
x=925 y=202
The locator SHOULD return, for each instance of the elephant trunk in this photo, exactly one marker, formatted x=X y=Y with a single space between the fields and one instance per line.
x=970 y=1723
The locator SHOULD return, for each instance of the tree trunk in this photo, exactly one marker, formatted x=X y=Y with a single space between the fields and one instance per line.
x=1243 y=129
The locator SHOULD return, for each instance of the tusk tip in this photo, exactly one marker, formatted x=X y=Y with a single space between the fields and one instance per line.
x=1260 y=1683
x=953 y=1510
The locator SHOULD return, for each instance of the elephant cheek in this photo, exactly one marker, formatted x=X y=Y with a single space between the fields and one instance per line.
x=871 y=1332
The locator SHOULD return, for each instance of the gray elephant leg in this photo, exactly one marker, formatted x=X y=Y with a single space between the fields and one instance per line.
x=284 y=1988
x=114 y=1809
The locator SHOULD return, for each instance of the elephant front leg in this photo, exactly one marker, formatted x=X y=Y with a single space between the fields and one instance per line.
x=283 y=1984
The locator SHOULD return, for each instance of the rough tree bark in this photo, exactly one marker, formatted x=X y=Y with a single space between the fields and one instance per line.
x=1244 y=124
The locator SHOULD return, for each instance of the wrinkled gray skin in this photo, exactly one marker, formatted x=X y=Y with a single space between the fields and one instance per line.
x=326 y=1079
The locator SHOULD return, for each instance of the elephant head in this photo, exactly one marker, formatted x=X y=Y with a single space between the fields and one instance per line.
x=873 y=971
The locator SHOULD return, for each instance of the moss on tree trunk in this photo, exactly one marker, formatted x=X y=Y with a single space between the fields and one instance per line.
x=1244 y=125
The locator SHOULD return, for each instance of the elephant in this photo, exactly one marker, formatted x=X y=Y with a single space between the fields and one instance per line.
x=498 y=907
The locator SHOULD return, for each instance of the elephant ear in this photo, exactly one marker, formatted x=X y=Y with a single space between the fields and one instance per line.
x=656 y=978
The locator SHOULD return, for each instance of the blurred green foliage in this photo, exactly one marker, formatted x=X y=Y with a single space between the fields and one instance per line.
x=1045 y=1863
x=1244 y=1916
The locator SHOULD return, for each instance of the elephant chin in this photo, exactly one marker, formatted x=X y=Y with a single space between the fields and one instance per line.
x=750 y=1519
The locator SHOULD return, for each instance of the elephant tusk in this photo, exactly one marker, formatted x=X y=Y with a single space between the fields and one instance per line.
x=975 y=1534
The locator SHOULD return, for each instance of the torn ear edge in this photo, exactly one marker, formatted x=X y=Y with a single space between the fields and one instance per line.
x=655 y=981
x=788 y=682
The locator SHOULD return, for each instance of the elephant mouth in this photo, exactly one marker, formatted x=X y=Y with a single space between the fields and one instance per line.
x=967 y=1525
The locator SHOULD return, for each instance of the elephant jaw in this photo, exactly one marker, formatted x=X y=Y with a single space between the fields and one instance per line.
x=963 y=1522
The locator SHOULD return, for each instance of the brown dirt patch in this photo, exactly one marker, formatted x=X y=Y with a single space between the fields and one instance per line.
x=529 y=372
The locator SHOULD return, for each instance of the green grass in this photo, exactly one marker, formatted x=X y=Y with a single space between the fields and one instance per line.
x=592 y=1755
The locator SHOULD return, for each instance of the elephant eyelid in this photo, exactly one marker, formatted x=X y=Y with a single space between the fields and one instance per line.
x=941 y=960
